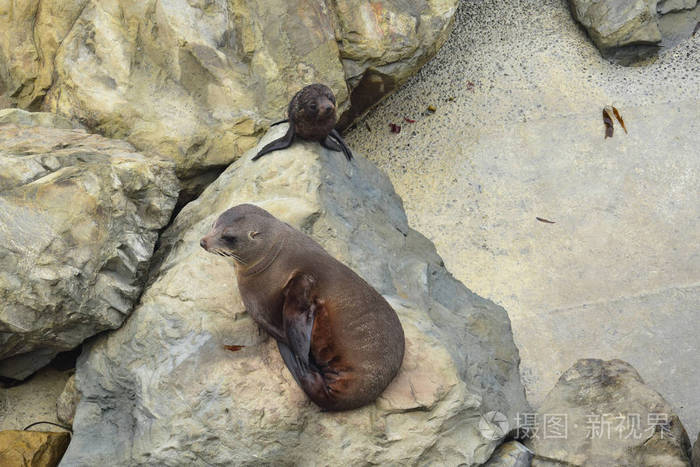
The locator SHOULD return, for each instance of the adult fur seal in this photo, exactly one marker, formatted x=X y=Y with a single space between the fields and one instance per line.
x=339 y=338
x=311 y=115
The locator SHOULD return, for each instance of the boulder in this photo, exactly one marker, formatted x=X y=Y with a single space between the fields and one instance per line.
x=80 y=216
x=629 y=31
x=696 y=453
x=198 y=81
x=617 y=23
x=601 y=413
x=162 y=389
x=67 y=402
x=32 y=448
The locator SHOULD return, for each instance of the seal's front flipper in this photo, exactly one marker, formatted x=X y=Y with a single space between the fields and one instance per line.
x=330 y=143
x=298 y=315
x=280 y=143
x=292 y=362
x=346 y=150
x=336 y=143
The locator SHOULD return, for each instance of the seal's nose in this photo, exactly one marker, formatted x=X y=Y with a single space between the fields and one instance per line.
x=203 y=242
x=326 y=109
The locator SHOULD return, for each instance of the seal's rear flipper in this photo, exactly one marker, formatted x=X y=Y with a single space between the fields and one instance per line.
x=280 y=143
x=309 y=379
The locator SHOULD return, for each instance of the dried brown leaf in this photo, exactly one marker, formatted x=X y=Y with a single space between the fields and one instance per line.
x=619 y=119
x=607 y=120
x=546 y=221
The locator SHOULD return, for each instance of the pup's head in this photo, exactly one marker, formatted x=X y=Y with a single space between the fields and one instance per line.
x=317 y=102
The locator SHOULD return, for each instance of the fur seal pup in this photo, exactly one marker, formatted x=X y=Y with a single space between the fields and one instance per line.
x=311 y=115
x=339 y=338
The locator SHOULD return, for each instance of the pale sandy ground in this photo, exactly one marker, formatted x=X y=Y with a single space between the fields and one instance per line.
x=33 y=401
x=618 y=274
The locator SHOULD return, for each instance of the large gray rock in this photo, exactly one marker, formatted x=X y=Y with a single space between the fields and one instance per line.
x=162 y=390
x=696 y=452
x=628 y=31
x=79 y=218
x=617 y=23
x=198 y=81
x=601 y=413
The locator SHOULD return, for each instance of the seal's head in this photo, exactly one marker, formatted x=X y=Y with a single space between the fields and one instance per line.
x=315 y=102
x=243 y=233
x=312 y=112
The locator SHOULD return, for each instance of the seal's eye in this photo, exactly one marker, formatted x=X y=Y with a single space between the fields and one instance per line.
x=253 y=234
x=229 y=238
x=313 y=107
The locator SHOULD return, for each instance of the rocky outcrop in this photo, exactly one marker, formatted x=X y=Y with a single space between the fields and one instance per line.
x=631 y=30
x=79 y=218
x=32 y=448
x=162 y=389
x=696 y=453
x=199 y=81
x=601 y=413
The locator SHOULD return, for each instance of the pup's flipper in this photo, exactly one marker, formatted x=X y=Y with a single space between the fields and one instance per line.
x=282 y=142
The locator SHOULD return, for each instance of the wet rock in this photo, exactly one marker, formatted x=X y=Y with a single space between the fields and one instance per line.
x=80 y=216
x=175 y=395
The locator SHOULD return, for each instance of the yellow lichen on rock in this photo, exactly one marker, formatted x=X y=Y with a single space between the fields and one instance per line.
x=32 y=448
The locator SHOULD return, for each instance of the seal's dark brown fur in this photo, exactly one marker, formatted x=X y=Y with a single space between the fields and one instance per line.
x=339 y=338
x=311 y=116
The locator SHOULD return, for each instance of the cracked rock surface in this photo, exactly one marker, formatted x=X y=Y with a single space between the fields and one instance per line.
x=79 y=218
